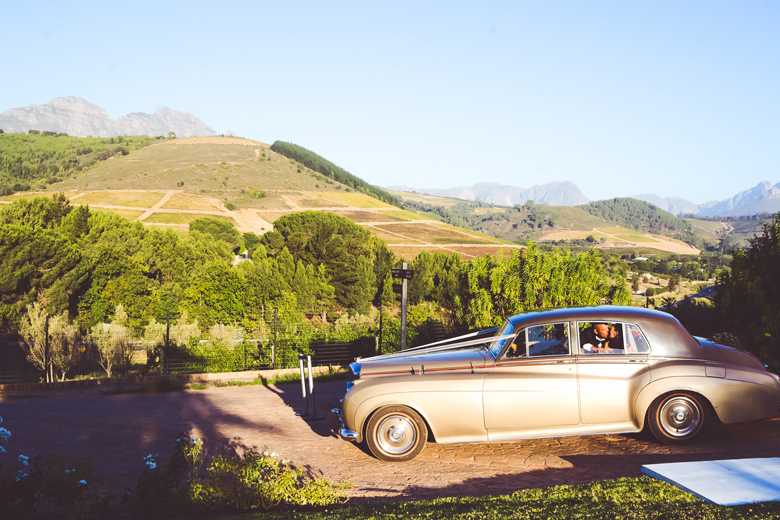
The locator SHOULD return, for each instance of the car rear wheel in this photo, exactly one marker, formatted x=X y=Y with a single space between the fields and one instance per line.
x=678 y=418
x=396 y=434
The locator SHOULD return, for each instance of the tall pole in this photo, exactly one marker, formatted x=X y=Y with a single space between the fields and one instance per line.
x=46 y=353
x=163 y=358
x=403 y=311
x=273 y=352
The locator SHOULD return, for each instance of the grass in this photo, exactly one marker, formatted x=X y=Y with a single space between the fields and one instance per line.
x=307 y=201
x=356 y=200
x=636 y=238
x=437 y=234
x=402 y=214
x=133 y=199
x=181 y=218
x=192 y=202
x=640 y=498
x=367 y=216
x=129 y=214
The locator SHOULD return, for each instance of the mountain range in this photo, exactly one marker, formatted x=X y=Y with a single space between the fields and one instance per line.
x=763 y=198
x=564 y=193
x=79 y=118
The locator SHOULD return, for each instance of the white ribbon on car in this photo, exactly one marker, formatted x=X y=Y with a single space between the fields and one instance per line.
x=431 y=348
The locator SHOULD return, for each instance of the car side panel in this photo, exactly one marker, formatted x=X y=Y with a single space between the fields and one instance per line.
x=451 y=403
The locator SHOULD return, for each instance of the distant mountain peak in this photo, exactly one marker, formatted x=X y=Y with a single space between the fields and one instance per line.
x=556 y=193
x=78 y=117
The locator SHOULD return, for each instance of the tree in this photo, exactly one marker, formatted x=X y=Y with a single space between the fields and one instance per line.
x=114 y=343
x=748 y=298
x=64 y=345
x=33 y=332
x=674 y=281
x=344 y=248
x=219 y=229
x=635 y=282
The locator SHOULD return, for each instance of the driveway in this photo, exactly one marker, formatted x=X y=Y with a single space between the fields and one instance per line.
x=118 y=430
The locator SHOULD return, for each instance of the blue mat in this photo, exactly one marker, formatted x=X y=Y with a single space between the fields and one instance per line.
x=724 y=482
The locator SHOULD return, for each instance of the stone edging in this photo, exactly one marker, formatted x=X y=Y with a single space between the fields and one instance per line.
x=218 y=376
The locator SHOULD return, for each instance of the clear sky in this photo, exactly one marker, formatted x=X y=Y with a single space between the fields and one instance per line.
x=621 y=98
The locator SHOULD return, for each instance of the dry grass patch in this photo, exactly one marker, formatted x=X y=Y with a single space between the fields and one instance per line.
x=432 y=233
x=134 y=199
x=389 y=237
x=574 y=235
x=356 y=200
x=181 y=218
x=193 y=202
x=404 y=215
x=129 y=214
x=636 y=238
x=367 y=216
x=306 y=201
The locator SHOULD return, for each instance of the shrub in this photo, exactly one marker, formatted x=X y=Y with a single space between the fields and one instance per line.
x=230 y=206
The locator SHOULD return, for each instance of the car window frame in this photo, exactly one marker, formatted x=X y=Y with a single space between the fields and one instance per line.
x=501 y=357
x=576 y=326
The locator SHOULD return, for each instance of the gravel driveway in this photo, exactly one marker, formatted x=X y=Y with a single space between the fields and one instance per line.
x=118 y=430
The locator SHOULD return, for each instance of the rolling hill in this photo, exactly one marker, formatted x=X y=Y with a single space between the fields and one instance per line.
x=171 y=182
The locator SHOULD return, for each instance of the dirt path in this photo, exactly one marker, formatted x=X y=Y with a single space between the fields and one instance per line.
x=119 y=430
x=157 y=206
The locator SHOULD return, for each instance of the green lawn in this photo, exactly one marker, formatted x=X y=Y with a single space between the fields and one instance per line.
x=626 y=498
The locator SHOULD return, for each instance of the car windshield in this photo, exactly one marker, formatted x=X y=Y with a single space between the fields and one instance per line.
x=497 y=345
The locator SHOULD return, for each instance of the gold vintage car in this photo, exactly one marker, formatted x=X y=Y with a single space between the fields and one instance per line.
x=574 y=371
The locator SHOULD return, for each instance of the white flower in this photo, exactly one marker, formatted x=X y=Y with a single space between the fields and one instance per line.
x=274 y=454
x=151 y=464
x=24 y=460
x=67 y=471
x=83 y=482
x=2 y=450
x=265 y=454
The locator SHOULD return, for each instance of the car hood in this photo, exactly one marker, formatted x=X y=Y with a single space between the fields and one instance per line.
x=461 y=359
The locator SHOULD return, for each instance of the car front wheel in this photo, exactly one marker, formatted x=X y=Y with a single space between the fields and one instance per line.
x=678 y=418
x=396 y=434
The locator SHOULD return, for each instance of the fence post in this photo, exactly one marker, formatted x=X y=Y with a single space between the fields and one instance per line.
x=379 y=346
x=313 y=416
x=46 y=356
x=305 y=414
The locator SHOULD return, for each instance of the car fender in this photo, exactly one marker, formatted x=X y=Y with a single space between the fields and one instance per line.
x=732 y=401
x=434 y=404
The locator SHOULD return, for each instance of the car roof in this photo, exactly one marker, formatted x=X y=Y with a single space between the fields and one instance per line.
x=666 y=335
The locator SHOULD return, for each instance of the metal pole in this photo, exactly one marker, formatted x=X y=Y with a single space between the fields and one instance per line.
x=46 y=356
x=163 y=357
x=403 y=311
x=305 y=412
x=313 y=416
x=273 y=350
x=379 y=346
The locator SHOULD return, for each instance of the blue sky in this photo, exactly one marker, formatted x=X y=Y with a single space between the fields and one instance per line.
x=621 y=98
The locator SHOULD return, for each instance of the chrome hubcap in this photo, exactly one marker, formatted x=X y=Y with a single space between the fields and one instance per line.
x=680 y=416
x=396 y=434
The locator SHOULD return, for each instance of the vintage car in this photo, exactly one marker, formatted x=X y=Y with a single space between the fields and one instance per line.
x=572 y=371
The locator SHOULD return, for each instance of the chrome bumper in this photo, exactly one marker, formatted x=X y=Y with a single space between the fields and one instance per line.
x=338 y=427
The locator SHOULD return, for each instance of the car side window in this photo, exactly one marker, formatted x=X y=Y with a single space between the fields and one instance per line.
x=636 y=343
x=601 y=337
x=606 y=337
x=540 y=340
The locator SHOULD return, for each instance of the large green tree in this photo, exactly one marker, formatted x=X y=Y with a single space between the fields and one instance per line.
x=344 y=248
x=748 y=298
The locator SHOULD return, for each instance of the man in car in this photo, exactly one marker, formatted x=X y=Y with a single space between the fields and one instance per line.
x=593 y=340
